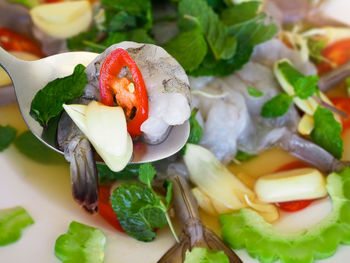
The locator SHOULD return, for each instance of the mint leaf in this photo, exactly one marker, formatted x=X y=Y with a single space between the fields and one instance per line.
x=12 y=222
x=139 y=210
x=205 y=255
x=48 y=102
x=81 y=244
x=327 y=132
x=240 y=12
x=179 y=46
x=277 y=106
x=248 y=34
x=122 y=21
x=107 y=175
x=85 y=41
x=146 y=173
x=7 y=135
x=140 y=9
x=243 y=156
x=304 y=86
x=255 y=92
x=30 y=146
x=221 y=44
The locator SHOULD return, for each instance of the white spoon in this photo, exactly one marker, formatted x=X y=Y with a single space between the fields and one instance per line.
x=29 y=77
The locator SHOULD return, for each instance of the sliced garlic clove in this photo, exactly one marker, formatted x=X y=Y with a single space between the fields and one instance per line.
x=64 y=19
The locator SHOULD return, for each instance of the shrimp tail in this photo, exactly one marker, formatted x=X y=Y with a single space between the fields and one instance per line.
x=194 y=234
x=78 y=151
x=84 y=179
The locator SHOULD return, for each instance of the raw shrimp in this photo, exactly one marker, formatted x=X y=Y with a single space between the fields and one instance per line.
x=194 y=233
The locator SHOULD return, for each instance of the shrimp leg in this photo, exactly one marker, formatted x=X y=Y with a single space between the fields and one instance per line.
x=194 y=233
x=310 y=153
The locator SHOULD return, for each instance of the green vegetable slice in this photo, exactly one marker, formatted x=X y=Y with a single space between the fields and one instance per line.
x=81 y=244
x=7 y=135
x=205 y=255
x=12 y=222
x=246 y=229
x=327 y=132
x=48 y=102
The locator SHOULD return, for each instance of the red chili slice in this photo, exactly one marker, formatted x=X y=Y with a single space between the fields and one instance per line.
x=13 y=41
x=131 y=95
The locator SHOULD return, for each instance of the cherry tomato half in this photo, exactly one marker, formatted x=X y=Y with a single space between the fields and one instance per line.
x=338 y=53
x=13 y=41
x=130 y=94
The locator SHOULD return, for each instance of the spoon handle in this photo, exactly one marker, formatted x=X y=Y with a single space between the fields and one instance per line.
x=8 y=61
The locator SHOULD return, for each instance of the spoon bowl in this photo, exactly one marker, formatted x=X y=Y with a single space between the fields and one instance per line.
x=28 y=77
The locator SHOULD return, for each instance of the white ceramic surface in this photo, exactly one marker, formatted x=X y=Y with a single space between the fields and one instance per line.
x=44 y=190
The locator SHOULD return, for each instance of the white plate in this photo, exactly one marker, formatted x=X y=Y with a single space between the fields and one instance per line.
x=44 y=191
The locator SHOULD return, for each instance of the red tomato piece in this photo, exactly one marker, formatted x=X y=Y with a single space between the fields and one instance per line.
x=343 y=104
x=105 y=208
x=13 y=41
x=130 y=94
x=338 y=53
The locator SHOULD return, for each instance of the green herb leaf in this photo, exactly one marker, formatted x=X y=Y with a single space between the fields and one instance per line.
x=81 y=244
x=222 y=45
x=107 y=175
x=243 y=156
x=169 y=194
x=137 y=35
x=48 y=102
x=139 y=210
x=327 y=132
x=315 y=50
x=347 y=83
x=141 y=9
x=12 y=222
x=7 y=135
x=304 y=86
x=31 y=147
x=205 y=255
x=179 y=46
x=240 y=13
x=121 y=21
x=255 y=92
x=277 y=106
x=146 y=173
x=85 y=41
x=196 y=131
x=248 y=34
